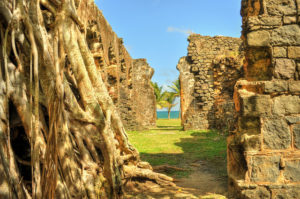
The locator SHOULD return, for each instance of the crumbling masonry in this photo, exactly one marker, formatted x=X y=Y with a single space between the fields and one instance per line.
x=264 y=152
x=207 y=78
x=127 y=80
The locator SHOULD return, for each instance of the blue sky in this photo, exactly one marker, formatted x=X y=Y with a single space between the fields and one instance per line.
x=158 y=29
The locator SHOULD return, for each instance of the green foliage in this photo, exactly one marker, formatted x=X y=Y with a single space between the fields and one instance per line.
x=159 y=95
x=166 y=99
x=175 y=88
x=169 y=101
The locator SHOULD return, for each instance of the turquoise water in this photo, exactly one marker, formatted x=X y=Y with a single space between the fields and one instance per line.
x=164 y=114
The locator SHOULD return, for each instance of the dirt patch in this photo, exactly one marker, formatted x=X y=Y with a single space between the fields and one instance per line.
x=203 y=182
x=204 y=179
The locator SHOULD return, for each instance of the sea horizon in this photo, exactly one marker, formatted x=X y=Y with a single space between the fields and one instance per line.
x=164 y=114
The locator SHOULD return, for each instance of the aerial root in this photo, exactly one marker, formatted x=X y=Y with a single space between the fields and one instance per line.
x=135 y=172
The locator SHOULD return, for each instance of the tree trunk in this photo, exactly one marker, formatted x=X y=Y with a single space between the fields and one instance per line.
x=169 y=113
x=60 y=133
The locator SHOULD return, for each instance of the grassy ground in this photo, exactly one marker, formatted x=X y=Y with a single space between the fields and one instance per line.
x=168 y=144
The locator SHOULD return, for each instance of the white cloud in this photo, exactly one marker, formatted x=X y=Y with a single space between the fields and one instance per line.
x=180 y=30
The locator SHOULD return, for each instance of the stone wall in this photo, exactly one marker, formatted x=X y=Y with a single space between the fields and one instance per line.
x=264 y=152
x=125 y=78
x=143 y=92
x=207 y=77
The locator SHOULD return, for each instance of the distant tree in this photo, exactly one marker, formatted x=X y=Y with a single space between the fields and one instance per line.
x=175 y=89
x=170 y=99
x=159 y=95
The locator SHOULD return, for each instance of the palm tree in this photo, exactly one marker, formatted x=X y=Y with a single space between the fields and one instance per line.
x=159 y=95
x=175 y=89
x=169 y=99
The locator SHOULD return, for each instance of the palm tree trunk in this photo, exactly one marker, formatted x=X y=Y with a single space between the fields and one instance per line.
x=169 y=113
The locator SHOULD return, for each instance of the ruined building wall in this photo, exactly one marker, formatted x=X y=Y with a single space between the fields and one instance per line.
x=264 y=153
x=118 y=70
x=207 y=76
x=143 y=92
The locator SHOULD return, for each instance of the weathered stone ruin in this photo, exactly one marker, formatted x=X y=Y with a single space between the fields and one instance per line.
x=144 y=101
x=264 y=152
x=127 y=79
x=207 y=78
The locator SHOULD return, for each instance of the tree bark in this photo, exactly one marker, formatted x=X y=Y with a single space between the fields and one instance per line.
x=60 y=133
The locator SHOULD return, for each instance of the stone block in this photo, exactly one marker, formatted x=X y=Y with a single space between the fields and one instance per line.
x=256 y=105
x=296 y=132
x=294 y=86
x=289 y=19
x=284 y=68
x=258 y=38
x=276 y=134
x=275 y=86
x=264 y=21
x=285 y=105
x=286 y=35
x=292 y=119
x=292 y=192
x=281 y=7
x=279 y=52
x=294 y=52
x=292 y=170
x=251 y=143
x=264 y=168
x=259 y=192
x=249 y=125
x=195 y=69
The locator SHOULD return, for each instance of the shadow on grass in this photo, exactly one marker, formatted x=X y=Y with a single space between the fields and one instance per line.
x=203 y=146
x=167 y=128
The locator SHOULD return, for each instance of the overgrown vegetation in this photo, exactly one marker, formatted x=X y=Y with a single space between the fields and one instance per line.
x=60 y=133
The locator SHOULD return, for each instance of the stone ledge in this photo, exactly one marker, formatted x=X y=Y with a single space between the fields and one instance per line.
x=270 y=87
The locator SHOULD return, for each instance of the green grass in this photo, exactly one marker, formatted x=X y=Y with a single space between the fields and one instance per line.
x=168 y=144
x=169 y=123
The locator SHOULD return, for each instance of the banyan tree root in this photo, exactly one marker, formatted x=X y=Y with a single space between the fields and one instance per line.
x=60 y=133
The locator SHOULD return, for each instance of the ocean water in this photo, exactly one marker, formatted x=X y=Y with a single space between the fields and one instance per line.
x=164 y=114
